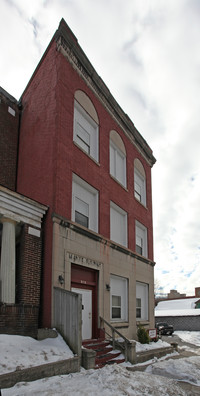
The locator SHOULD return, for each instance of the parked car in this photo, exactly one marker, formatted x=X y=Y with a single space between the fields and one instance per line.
x=164 y=328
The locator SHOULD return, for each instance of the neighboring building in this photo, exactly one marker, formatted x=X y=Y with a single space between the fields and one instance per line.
x=182 y=313
x=82 y=157
x=20 y=234
x=175 y=294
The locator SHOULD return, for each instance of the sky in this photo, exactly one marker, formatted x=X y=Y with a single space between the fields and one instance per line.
x=147 y=53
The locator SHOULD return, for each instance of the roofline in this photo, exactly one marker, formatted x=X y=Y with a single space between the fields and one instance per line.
x=8 y=96
x=65 y=37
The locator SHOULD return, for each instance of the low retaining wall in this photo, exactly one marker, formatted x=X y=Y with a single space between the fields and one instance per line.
x=148 y=355
x=189 y=323
x=35 y=373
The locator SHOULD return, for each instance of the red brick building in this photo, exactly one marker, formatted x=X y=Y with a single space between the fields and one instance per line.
x=20 y=234
x=80 y=155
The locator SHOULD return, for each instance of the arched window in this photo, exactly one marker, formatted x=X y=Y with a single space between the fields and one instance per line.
x=139 y=182
x=117 y=158
x=86 y=125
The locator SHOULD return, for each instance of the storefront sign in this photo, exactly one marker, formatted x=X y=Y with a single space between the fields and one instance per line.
x=76 y=259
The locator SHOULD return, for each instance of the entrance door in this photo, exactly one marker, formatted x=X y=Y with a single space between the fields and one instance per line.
x=85 y=281
x=86 y=312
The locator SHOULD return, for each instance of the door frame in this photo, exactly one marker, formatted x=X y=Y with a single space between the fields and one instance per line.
x=87 y=278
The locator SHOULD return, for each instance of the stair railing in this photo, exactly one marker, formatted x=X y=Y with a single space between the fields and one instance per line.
x=113 y=339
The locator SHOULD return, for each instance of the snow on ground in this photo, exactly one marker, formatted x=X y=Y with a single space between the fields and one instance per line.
x=193 y=337
x=188 y=370
x=151 y=345
x=160 y=378
x=110 y=381
x=22 y=352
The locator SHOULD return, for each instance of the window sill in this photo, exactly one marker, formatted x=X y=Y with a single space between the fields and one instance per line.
x=144 y=206
x=119 y=325
x=142 y=322
x=88 y=155
x=118 y=182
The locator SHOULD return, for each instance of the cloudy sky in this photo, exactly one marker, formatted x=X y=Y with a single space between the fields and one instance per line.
x=147 y=52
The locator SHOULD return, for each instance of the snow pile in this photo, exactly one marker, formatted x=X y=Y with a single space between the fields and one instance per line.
x=19 y=352
x=177 y=307
x=109 y=381
x=188 y=370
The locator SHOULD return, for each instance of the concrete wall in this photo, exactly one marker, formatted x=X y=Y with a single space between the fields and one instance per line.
x=190 y=323
x=67 y=318
x=70 y=247
x=35 y=373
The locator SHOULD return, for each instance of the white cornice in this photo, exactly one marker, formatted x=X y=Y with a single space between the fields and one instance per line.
x=20 y=208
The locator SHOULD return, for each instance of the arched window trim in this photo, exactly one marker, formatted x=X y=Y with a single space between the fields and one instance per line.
x=86 y=129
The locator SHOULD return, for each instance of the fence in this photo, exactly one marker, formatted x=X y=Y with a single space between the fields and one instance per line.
x=68 y=317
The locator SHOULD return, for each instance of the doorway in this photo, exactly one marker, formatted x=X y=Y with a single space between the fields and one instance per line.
x=85 y=282
x=86 y=312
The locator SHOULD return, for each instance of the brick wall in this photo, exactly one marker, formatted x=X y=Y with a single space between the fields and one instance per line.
x=189 y=323
x=9 y=120
x=19 y=319
x=29 y=268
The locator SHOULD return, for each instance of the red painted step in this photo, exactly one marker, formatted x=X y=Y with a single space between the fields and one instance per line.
x=103 y=348
x=92 y=341
x=106 y=358
x=116 y=361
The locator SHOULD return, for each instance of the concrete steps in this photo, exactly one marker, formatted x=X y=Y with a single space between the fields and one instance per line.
x=104 y=352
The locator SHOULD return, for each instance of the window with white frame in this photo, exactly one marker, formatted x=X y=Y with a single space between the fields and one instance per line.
x=117 y=158
x=141 y=239
x=139 y=182
x=142 y=301
x=118 y=224
x=86 y=131
x=118 y=298
x=84 y=204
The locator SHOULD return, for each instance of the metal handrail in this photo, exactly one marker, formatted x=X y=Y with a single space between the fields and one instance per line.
x=114 y=341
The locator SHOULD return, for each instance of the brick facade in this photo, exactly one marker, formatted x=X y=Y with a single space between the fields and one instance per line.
x=29 y=268
x=9 y=123
x=19 y=319
x=48 y=156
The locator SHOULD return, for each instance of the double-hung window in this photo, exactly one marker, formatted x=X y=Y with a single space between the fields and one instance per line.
x=118 y=298
x=84 y=204
x=81 y=212
x=118 y=224
x=117 y=158
x=139 y=182
x=86 y=131
x=142 y=301
x=141 y=239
